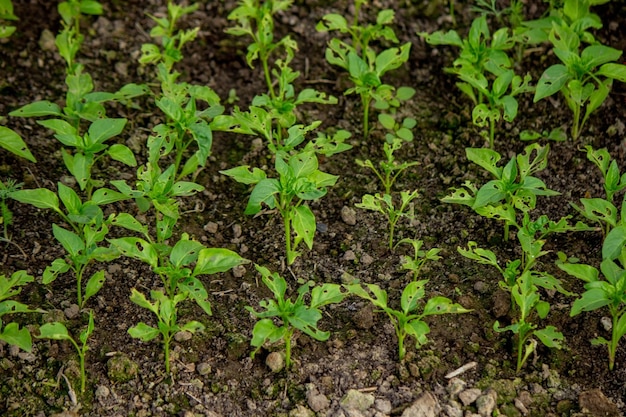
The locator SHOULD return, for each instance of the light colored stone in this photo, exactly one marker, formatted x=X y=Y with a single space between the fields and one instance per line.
x=183 y=336
x=315 y=399
x=425 y=406
x=348 y=215
x=357 y=400
x=366 y=259
x=485 y=404
x=275 y=361
x=468 y=396
x=301 y=411
x=452 y=409
x=102 y=392
x=455 y=386
x=211 y=227
x=349 y=255
x=204 y=368
x=384 y=406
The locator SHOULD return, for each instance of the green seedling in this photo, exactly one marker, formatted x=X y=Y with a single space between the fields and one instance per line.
x=255 y=18
x=294 y=315
x=10 y=332
x=299 y=180
x=58 y=331
x=364 y=65
x=416 y=262
x=390 y=169
x=608 y=292
x=400 y=130
x=179 y=268
x=603 y=210
x=89 y=148
x=6 y=13
x=14 y=143
x=384 y=204
x=514 y=12
x=485 y=72
x=584 y=78
x=522 y=280
x=513 y=189
x=83 y=242
x=186 y=125
x=408 y=321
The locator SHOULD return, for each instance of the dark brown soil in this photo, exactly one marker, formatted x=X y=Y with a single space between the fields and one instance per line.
x=213 y=373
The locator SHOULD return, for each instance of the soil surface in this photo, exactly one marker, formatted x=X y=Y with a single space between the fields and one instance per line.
x=357 y=371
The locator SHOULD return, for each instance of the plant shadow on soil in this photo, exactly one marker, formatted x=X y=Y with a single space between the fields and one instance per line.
x=213 y=371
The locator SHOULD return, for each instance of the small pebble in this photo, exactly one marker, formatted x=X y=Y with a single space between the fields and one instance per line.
x=275 y=361
x=102 y=392
x=203 y=368
x=182 y=336
x=210 y=227
x=348 y=215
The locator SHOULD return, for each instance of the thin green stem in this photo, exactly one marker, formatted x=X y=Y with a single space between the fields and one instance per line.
x=166 y=351
x=290 y=255
x=288 y=348
x=492 y=132
x=268 y=77
x=575 y=126
x=79 y=283
x=366 y=100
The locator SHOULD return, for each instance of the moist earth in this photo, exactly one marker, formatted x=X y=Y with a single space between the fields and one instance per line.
x=357 y=371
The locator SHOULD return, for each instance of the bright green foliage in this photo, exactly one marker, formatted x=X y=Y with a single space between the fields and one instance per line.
x=513 y=189
x=408 y=321
x=185 y=125
x=390 y=169
x=175 y=266
x=299 y=180
x=485 y=72
x=609 y=292
x=6 y=13
x=364 y=65
x=522 y=280
x=384 y=204
x=583 y=77
x=294 y=315
x=83 y=242
x=10 y=332
x=58 y=331
x=603 y=210
x=13 y=143
x=255 y=18
x=514 y=11
x=416 y=262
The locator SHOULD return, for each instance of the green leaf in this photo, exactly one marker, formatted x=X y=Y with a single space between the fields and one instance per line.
x=551 y=81
x=104 y=196
x=13 y=335
x=38 y=109
x=614 y=71
x=102 y=129
x=141 y=300
x=71 y=242
x=442 y=305
x=441 y=38
x=485 y=158
x=185 y=252
x=196 y=291
x=94 y=285
x=123 y=154
x=128 y=222
x=550 y=337
x=243 y=175
x=326 y=294
x=263 y=193
x=614 y=243
x=590 y=300
x=137 y=248
x=304 y=225
x=12 y=142
x=40 y=197
x=387 y=121
x=215 y=260
x=411 y=295
x=55 y=331
x=58 y=266
x=586 y=273
x=143 y=332
x=265 y=330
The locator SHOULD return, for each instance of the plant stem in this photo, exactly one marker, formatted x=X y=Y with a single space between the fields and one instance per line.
x=83 y=377
x=288 y=348
x=268 y=78
x=575 y=126
x=166 y=351
x=287 y=222
x=366 y=100
x=492 y=131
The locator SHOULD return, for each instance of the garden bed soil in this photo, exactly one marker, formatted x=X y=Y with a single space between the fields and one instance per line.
x=213 y=373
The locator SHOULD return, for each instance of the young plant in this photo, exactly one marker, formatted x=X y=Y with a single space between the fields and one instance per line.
x=7 y=188
x=255 y=18
x=294 y=315
x=416 y=262
x=83 y=242
x=609 y=292
x=179 y=268
x=584 y=78
x=364 y=65
x=185 y=124
x=384 y=204
x=513 y=189
x=485 y=72
x=10 y=332
x=408 y=321
x=522 y=280
x=6 y=13
x=58 y=331
x=299 y=180
x=603 y=210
